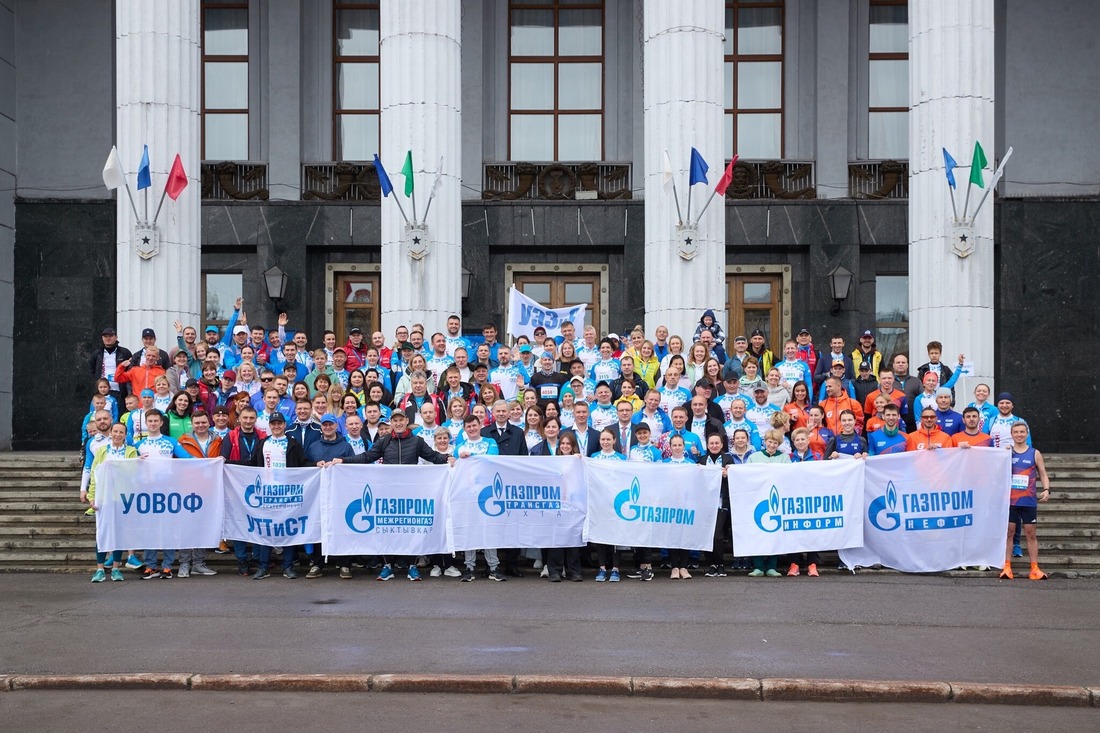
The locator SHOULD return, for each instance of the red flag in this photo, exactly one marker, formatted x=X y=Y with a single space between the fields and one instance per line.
x=726 y=179
x=177 y=179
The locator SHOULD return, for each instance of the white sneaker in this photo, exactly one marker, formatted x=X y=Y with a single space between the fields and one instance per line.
x=545 y=572
x=201 y=568
x=436 y=571
x=185 y=571
x=452 y=572
x=538 y=565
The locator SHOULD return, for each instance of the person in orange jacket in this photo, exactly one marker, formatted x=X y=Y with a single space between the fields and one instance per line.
x=928 y=435
x=837 y=401
x=141 y=377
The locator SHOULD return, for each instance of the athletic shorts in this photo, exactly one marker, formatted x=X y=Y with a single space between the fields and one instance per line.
x=1022 y=514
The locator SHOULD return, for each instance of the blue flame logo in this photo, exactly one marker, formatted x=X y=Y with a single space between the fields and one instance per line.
x=250 y=494
x=358 y=515
x=493 y=492
x=629 y=498
x=762 y=509
x=887 y=504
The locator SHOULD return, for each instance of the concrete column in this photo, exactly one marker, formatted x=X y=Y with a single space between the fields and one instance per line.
x=283 y=57
x=682 y=103
x=157 y=84
x=421 y=97
x=951 y=93
x=8 y=139
x=832 y=98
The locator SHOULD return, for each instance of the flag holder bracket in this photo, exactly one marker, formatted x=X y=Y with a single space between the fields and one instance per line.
x=960 y=233
x=687 y=241
x=146 y=240
x=417 y=240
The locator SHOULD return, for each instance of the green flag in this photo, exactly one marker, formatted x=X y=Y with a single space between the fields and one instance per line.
x=407 y=171
x=976 y=166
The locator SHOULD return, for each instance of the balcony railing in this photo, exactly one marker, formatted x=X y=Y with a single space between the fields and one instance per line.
x=234 y=180
x=340 y=181
x=771 y=179
x=512 y=181
x=878 y=179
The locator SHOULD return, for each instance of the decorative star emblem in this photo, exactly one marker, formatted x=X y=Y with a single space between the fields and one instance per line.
x=145 y=240
x=416 y=240
x=962 y=237
x=687 y=240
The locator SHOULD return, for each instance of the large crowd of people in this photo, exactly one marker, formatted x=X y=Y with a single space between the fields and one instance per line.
x=256 y=397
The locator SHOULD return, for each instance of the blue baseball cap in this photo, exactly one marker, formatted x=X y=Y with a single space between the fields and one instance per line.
x=328 y=417
x=212 y=329
x=147 y=393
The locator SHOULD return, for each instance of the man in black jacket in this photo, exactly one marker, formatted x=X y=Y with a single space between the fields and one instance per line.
x=278 y=450
x=399 y=448
x=716 y=455
x=511 y=442
x=106 y=360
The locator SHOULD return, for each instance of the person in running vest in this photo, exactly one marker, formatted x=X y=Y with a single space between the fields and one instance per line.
x=1027 y=466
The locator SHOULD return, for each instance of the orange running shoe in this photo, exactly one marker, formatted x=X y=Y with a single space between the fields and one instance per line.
x=812 y=570
x=1006 y=573
x=1037 y=574
x=792 y=572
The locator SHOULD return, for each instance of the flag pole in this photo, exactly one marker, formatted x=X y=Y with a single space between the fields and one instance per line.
x=400 y=208
x=709 y=199
x=951 y=193
x=689 y=202
x=966 y=201
x=429 y=206
x=157 y=215
x=414 y=204
x=675 y=196
x=146 y=221
x=130 y=195
x=993 y=183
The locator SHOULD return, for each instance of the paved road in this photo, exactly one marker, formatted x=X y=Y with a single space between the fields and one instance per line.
x=129 y=712
x=871 y=627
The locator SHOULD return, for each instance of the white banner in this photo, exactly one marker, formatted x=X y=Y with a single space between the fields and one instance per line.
x=516 y=501
x=384 y=510
x=800 y=507
x=929 y=511
x=525 y=315
x=651 y=504
x=279 y=507
x=158 y=503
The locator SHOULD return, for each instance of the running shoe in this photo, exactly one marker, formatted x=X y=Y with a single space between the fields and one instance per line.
x=1037 y=574
x=497 y=576
x=772 y=573
x=601 y=576
x=812 y=570
x=150 y=574
x=289 y=573
x=314 y=572
x=645 y=574
x=756 y=573
x=414 y=574
x=99 y=576
x=436 y=572
x=134 y=563
x=116 y=575
x=792 y=572
x=261 y=574
x=614 y=577
x=1017 y=551
x=452 y=572
x=201 y=568
x=386 y=574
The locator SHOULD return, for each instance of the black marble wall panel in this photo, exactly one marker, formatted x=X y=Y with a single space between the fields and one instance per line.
x=1048 y=319
x=64 y=296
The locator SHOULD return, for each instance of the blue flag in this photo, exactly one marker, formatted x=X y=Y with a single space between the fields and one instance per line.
x=699 y=168
x=383 y=178
x=949 y=163
x=145 y=180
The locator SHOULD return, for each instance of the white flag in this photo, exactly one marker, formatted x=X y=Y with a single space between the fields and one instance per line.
x=525 y=315
x=113 y=177
x=438 y=182
x=1000 y=169
x=666 y=174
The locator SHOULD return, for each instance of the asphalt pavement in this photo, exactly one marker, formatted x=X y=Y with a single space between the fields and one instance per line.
x=130 y=712
x=875 y=627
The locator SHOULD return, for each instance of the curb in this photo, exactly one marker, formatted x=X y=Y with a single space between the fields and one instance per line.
x=723 y=688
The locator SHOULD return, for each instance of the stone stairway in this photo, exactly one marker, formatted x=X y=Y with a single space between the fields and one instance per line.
x=43 y=526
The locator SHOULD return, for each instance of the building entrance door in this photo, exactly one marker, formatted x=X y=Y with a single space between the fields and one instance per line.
x=755 y=302
x=356 y=303
x=561 y=291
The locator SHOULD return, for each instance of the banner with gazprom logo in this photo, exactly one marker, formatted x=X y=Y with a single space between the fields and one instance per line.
x=930 y=511
x=279 y=507
x=801 y=507
x=158 y=503
x=636 y=504
x=516 y=501
x=384 y=510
